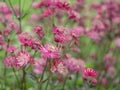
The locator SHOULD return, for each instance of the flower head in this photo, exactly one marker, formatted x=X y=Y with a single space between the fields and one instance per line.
x=23 y=58
x=50 y=51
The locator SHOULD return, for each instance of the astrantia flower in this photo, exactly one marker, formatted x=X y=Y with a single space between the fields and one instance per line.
x=59 y=68
x=50 y=51
x=74 y=15
x=11 y=49
x=77 y=32
x=27 y=39
x=40 y=65
x=62 y=35
x=74 y=65
x=10 y=61
x=47 y=13
x=89 y=73
x=94 y=35
x=39 y=31
x=23 y=58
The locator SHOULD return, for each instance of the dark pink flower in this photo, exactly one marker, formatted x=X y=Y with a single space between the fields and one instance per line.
x=62 y=35
x=39 y=31
x=89 y=72
x=47 y=13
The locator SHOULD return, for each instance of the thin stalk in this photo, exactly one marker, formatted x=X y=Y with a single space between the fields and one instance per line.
x=43 y=75
x=16 y=76
x=65 y=81
x=75 y=82
x=24 y=80
x=11 y=7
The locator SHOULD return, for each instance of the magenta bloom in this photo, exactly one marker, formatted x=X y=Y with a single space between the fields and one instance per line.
x=10 y=61
x=48 y=13
x=62 y=35
x=27 y=39
x=39 y=31
x=90 y=73
x=50 y=51
x=23 y=58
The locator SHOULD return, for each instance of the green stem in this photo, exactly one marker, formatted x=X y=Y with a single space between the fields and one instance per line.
x=43 y=75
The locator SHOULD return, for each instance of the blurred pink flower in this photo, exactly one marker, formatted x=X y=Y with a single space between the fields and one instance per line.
x=59 y=68
x=50 y=51
x=10 y=61
x=40 y=65
x=11 y=49
x=39 y=31
x=74 y=65
x=23 y=58
x=117 y=42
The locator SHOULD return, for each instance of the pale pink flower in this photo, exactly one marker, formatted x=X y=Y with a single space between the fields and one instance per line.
x=111 y=71
x=40 y=65
x=23 y=58
x=74 y=65
x=50 y=51
x=59 y=68
x=117 y=42
x=77 y=32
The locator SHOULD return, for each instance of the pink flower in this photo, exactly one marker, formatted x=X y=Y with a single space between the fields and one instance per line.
x=23 y=58
x=59 y=68
x=10 y=61
x=11 y=49
x=7 y=32
x=39 y=66
x=89 y=73
x=27 y=39
x=39 y=31
x=109 y=60
x=77 y=32
x=50 y=51
x=47 y=13
x=111 y=71
x=74 y=65
x=74 y=15
x=94 y=35
x=117 y=42
x=62 y=35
